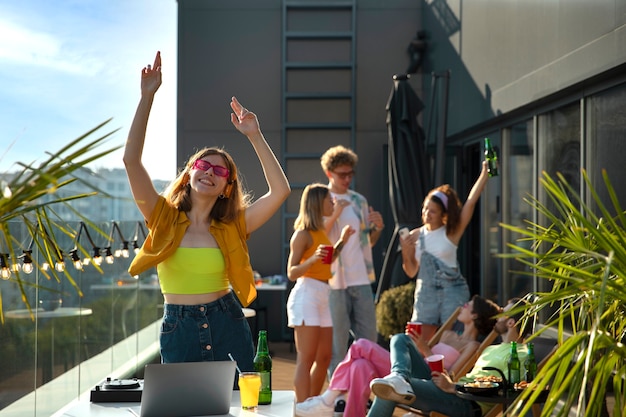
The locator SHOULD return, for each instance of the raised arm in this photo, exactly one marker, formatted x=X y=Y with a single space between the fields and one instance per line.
x=140 y=183
x=470 y=204
x=329 y=222
x=410 y=265
x=278 y=187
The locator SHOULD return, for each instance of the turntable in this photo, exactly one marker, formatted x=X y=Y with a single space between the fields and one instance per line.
x=117 y=391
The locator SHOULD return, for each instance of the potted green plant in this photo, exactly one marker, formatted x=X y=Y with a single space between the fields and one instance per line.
x=29 y=197
x=580 y=251
x=394 y=309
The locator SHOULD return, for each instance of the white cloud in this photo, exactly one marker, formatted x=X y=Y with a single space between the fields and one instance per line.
x=67 y=65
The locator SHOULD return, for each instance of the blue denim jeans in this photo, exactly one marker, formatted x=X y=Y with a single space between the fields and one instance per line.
x=207 y=332
x=407 y=361
x=352 y=310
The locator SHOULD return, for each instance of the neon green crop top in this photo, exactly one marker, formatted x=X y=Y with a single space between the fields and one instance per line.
x=193 y=271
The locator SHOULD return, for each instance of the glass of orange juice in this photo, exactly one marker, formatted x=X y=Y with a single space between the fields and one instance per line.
x=249 y=386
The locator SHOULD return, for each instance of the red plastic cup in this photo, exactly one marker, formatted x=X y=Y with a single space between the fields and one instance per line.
x=435 y=362
x=328 y=258
x=414 y=327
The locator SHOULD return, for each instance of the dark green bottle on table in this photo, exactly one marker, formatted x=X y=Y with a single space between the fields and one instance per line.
x=492 y=159
x=263 y=365
x=530 y=363
x=513 y=366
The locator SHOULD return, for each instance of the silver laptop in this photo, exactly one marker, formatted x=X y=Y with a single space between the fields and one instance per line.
x=187 y=389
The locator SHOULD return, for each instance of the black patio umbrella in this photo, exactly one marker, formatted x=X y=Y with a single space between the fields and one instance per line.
x=409 y=173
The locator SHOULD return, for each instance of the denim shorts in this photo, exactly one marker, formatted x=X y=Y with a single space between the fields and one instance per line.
x=206 y=332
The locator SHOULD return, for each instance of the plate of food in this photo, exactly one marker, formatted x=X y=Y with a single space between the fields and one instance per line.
x=489 y=378
x=481 y=387
x=522 y=385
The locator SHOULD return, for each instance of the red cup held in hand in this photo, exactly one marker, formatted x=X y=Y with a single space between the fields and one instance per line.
x=414 y=327
x=435 y=362
x=328 y=258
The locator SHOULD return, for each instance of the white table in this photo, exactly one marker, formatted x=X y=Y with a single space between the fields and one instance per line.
x=283 y=405
x=249 y=312
x=48 y=314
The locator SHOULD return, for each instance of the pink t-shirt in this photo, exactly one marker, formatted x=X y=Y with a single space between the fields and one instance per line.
x=450 y=354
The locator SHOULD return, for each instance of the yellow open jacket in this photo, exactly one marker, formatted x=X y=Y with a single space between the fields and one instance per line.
x=167 y=227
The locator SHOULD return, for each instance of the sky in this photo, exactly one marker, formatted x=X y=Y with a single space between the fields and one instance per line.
x=68 y=65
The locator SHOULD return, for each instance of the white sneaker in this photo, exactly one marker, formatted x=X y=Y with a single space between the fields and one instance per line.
x=393 y=387
x=314 y=407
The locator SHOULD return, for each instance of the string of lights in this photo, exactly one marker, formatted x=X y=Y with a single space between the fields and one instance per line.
x=52 y=253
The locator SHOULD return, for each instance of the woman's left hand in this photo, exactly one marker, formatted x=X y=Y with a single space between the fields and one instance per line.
x=443 y=381
x=346 y=232
x=244 y=120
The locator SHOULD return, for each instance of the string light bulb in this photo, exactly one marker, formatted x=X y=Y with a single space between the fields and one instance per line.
x=5 y=271
x=78 y=264
x=97 y=258
x=27 y=261
x=108 y=255
x=123 y=251
x=59 y=265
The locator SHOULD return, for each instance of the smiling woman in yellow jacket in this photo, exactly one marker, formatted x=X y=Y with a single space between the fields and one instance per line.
x=197 y=237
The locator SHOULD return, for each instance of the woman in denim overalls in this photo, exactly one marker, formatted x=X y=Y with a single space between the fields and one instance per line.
x=430 y=253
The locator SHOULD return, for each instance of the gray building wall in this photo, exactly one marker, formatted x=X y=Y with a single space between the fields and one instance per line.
x=234 y=48
x=510 y=62
x=504 y=55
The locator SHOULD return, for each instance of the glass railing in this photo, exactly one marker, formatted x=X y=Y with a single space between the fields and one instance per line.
x=105 y=317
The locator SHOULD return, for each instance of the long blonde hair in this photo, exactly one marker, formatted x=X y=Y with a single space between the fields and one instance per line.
x=311 y=214
x=232 y=200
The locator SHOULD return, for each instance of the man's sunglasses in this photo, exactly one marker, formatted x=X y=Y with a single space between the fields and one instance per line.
x=218 y=170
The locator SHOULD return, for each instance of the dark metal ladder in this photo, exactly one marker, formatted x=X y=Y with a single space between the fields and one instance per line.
x=318 y=93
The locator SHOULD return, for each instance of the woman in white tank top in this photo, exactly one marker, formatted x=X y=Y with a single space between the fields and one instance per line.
x=430 y=252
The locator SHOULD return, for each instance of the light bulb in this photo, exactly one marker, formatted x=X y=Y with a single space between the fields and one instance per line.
x=27 y=267
x=109 y=256
x=59 y=266
x=27 y=262
x=124 y=250
x=5 y=273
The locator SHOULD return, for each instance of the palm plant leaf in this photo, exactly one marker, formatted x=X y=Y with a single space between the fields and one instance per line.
x=35 y=191
x=579 y=248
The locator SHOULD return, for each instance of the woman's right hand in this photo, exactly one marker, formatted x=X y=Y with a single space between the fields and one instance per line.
x=151 y=76
x=339 y=205
x=318 y=255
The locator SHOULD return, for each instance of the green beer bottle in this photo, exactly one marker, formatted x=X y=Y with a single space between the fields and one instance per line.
x=513 y=366
x=263 y=365
x=491 y=158
x=530 y=364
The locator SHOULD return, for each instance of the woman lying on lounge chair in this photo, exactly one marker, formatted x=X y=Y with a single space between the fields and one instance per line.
x=366 y=360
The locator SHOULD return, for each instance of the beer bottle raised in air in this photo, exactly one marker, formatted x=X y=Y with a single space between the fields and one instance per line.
x=263 y=365
x=491 y=158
